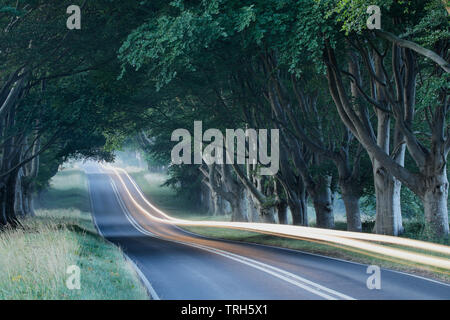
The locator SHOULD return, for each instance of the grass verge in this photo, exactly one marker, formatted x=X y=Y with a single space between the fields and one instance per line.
x=167 y=200
x=34 y=259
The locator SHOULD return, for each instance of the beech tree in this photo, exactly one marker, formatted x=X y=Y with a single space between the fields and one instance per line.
x=393 y=95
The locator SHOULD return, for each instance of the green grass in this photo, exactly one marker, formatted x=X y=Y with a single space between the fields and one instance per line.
x=68 y=189
x=167 y=200
x=34 y=259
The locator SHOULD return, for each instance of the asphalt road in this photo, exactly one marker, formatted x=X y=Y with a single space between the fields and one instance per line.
x=181 y=265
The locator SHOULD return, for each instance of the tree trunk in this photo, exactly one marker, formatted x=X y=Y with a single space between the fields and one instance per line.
x=237 y=210
x=217 y=204
x=281 y=206
x=282 y=212
x=27 y=200
x=388 y=209
x=351 y=197
x=323 y=203
x=18 y=195
x=299 y=211
x=267 y=215
x=19 y=208
x=3 y=219
x=295 y=190
x=298 y=204
x=324 y=212
x=435 y=204
x=252 y=211
x=8 y=192
x=30 y=205
x=206 y=199
x=387 y=187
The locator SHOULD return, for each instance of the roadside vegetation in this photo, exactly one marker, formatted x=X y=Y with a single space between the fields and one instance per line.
x=175 y=205
x=34 y=257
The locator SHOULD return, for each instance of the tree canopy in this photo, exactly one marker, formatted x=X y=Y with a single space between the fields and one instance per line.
x=361 y=112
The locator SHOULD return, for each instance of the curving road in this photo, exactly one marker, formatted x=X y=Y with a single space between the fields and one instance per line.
x=181 y=265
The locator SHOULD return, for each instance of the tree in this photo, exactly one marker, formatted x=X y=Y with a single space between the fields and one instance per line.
x=38 y=56
x=396 y=99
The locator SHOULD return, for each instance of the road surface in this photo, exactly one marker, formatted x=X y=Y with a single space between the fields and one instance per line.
x=181 y=265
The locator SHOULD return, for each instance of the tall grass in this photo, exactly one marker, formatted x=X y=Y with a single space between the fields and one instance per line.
x=34 y=259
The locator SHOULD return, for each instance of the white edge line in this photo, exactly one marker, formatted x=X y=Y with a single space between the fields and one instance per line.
x=144 y=279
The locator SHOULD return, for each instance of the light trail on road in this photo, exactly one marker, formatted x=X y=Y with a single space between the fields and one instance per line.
x=350 y=239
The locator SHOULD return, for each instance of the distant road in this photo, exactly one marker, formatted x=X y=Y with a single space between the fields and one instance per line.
x=181 y=265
